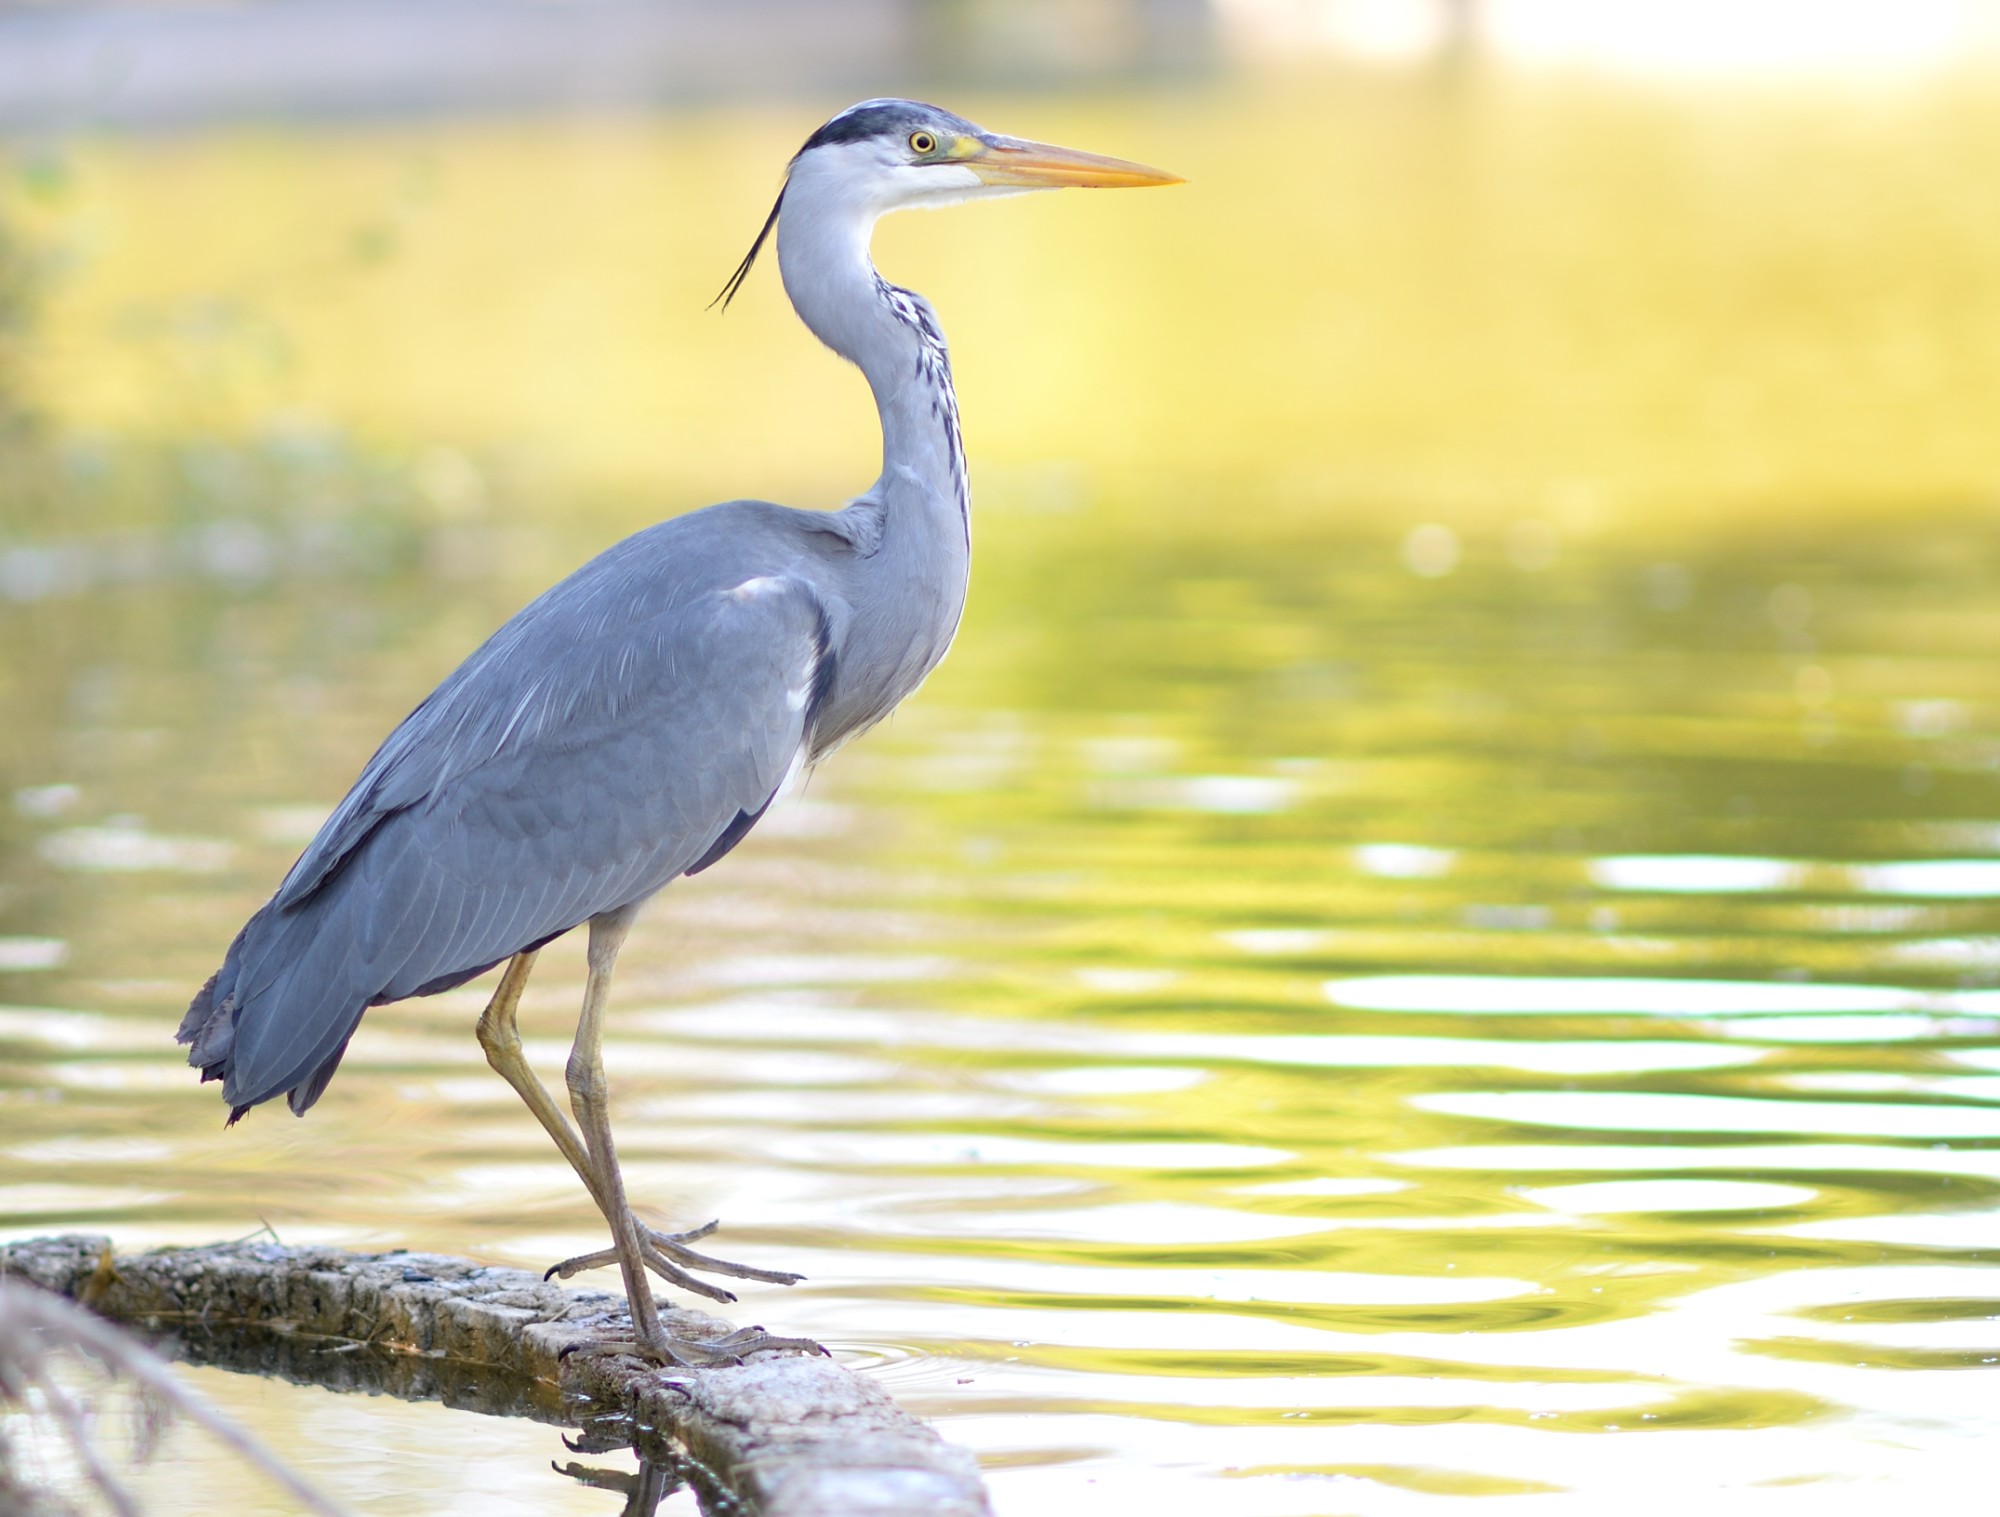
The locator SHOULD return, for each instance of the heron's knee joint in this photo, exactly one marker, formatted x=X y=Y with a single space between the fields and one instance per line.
x=498 y=1038
x=587 y=1082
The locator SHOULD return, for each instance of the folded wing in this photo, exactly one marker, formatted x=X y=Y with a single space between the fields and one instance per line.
x=575 y=764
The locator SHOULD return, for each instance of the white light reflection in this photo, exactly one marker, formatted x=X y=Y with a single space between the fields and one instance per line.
x=1102 y=1079
x=1368 y=1467
x=1949 y=953
x=1136 y=1223
x=58 y=1027
x=25 y=955
x=1336 y=1394
x=131 y=850
x=807 y=1024
x=103 y=1074
x=481 y=1090
x=1155 y=1223
x=1544 y=995
x=1219 y=794
x=838 y=1270
x=1663 y=1112
x=1118 y=981
x=1973 y=1335
x=1404 y=861
x=1857 y=1082
x=43 y=801
x=1239 y=794
x=1968 y=1231
x=821 y=969
x=1324 y=1185
x=1826 y=1158
x=1113 y=1285
x=1656 y=1197
x=1939 y=879
x=1178 y=1331
x=290 y=825
x=89 y=1150
x=761 y=1106
x=398 y=1047
x=800 y=818
x=1730 y=874
x=538 y=1181
x=1697 y=1339
x=1276 y=940
x=31 y=1200
x=1889 y=1027
x=845 y=1149
x=1606 y=1056
x=1693 y=873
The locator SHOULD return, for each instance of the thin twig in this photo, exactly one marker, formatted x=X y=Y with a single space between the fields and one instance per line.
x=30 y=1311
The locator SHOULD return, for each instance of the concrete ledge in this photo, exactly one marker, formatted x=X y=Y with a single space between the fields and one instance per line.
x=789 y=1435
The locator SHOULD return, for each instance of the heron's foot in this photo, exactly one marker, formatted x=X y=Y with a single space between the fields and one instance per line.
x=668 y=1256
x=681 y=1352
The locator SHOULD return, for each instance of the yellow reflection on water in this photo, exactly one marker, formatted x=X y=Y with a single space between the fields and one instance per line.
x=1496 y=298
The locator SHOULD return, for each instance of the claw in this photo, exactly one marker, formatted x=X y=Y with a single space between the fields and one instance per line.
x=580 y=1263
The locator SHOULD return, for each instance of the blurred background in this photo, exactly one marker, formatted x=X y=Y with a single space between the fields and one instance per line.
x=1445 y=896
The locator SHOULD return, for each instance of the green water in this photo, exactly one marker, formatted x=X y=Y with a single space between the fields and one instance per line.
x=1266 y=1032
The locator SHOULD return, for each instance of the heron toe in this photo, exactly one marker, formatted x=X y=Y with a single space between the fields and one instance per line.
x=668 y=1256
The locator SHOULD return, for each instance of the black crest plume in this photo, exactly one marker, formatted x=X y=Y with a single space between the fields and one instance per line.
x=743 y=269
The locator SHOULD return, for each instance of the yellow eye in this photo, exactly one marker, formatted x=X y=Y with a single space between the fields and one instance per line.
x=922 y=142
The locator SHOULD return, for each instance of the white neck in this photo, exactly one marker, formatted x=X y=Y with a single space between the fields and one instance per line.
x=889 y=333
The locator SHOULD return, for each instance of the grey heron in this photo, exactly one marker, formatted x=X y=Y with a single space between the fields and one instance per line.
x=632 y=724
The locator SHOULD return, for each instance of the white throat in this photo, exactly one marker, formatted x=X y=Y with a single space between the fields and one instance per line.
x=826 y=218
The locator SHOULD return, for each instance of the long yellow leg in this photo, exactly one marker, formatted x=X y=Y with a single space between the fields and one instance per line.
x=500 y=1036
x=590 y=1099
x=666 y=1253
x=595 y=1160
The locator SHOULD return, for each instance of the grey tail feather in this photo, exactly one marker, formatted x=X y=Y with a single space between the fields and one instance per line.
x=303 y=1095
x=211 y=1024
x=307 y=1091
x=195 y=1025
x=198 y=1012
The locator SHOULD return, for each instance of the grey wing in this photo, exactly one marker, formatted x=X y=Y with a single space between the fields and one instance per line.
x=572 y=767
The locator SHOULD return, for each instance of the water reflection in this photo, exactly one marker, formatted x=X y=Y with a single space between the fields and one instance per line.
x=1266 y=1097
x=460 y=1437
x=659 y=1474
x=1520 y=995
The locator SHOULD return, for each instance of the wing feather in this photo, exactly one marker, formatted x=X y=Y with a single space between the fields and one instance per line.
x=573 y=765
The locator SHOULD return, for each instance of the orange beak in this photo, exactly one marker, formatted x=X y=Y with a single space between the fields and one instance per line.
x=1011 y=162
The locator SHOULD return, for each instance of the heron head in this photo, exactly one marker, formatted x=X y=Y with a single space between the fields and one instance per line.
x=892 y=155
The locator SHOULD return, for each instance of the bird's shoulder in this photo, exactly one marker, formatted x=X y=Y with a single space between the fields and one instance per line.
x=685 y=557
